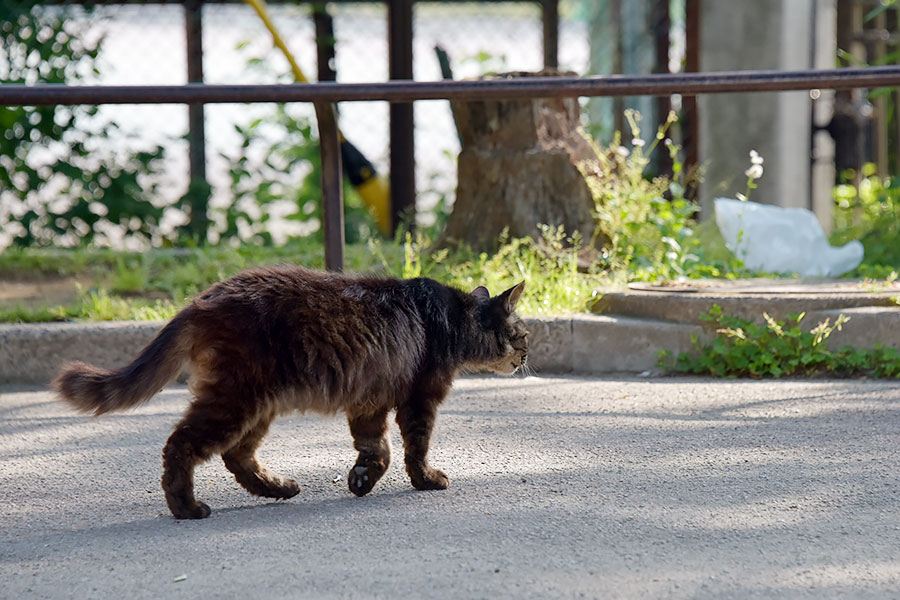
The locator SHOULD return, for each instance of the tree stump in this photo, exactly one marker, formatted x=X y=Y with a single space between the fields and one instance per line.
x=518 y=169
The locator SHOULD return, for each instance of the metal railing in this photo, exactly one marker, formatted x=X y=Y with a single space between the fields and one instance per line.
x=325 y=95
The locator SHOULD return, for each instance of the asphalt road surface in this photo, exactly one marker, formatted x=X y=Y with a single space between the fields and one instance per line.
x=561 y=488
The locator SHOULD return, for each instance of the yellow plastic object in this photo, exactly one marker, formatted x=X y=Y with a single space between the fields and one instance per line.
x=376 y=193
x=372 y=187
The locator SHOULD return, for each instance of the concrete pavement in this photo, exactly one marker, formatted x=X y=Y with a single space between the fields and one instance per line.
x=561 y=487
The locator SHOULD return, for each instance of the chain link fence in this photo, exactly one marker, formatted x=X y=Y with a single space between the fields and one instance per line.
x=141 y=44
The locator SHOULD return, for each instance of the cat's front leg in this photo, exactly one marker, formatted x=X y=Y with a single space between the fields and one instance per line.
x=370 y=439
x=416 y=423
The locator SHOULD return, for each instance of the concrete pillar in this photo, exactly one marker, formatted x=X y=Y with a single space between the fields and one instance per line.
x=764 y=34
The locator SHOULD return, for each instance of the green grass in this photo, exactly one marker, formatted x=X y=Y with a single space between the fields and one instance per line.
x=21 y=314
x=155 y=284
x=101 y=306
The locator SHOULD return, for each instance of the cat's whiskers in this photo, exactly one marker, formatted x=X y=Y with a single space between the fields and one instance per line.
x=525 y=370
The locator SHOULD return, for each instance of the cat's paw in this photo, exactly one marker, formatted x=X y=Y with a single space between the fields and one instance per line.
x=432 y=479
x=197 y=510
x=360 y=480
x=281 y=489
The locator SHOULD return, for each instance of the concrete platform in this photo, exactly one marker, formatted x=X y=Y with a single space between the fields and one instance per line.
x=685 y=302
x=873 y=308
x=634 y=326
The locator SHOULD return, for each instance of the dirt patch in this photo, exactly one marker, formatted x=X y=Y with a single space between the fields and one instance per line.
x=42 y=291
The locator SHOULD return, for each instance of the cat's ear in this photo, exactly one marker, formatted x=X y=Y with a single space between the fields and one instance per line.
x=510 y=297
x=481 y=293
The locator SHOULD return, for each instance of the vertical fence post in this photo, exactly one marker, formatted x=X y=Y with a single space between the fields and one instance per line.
x=618 y=62
x=332 y=187
x=324 y=26
x=550 y=22
x=847 y=123
x=661 y=23
x=400 y=66
x=878 y=52
x=691 y=131
x=198 y=189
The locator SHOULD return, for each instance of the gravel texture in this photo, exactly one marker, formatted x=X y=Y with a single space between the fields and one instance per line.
x=561 y=488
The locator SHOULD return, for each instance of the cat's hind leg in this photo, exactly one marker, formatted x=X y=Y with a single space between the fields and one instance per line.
x=211 y=424
x=370 y=439
x=241 y=460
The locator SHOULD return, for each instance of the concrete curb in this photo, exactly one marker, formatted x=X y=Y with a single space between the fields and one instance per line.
x=33 y=353
x=596 y=344
x=587 y=344
x=581 y=344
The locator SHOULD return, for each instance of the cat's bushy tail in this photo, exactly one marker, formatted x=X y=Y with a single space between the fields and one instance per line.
x=93 y=389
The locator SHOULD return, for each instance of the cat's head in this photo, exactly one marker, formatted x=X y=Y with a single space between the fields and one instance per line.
x=503 y=344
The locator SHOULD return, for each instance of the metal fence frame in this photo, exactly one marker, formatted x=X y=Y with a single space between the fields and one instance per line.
x=325 y=95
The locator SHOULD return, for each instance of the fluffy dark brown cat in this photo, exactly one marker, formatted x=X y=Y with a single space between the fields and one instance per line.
x=269 y=341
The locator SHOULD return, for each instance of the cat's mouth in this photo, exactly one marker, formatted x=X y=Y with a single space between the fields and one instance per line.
x=511 y=367
x=507 y=365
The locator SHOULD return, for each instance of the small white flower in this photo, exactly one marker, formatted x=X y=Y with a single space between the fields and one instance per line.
x=754 y=172
x=637 y=142
x=741 y=197
x=668 y=142
x=623 y=151
x=755 y=158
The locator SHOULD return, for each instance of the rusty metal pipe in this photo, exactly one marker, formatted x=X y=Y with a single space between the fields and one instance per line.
x=405 y=91
x=332 y=187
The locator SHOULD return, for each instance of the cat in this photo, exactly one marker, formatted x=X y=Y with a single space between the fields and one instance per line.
x=272 y=340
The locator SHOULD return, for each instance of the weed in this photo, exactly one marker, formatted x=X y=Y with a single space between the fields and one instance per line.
x=650 y=223
x=549 y=265
x=742 y=348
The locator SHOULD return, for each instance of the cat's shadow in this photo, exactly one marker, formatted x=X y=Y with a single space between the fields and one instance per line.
x=317 y=507
x=294 y=509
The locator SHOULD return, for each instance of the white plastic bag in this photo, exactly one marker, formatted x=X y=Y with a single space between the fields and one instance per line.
x=782 y=240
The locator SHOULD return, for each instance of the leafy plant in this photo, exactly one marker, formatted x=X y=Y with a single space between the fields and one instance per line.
x=58 y=184
x=742 y=348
